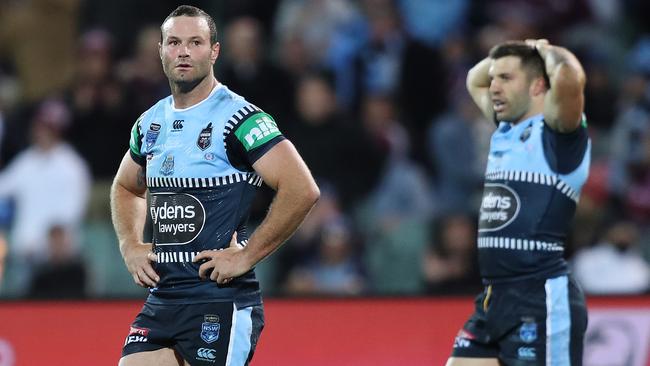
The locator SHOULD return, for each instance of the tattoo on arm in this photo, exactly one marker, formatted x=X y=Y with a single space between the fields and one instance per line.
x=141 y=178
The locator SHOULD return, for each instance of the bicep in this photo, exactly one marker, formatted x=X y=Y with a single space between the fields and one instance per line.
x=564 y=102
x=131 y=176
x=282 y=164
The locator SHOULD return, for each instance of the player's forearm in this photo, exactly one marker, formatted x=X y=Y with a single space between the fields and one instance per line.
x=289 y=208
x=561 y=65
x=128 y=212
x=477 y=76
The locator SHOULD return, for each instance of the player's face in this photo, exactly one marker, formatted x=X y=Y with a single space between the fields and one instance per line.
x=509 y=89
x=186 y=53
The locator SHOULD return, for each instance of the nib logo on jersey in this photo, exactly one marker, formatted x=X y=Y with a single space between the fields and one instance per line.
x=177 y=218
x=499 y=207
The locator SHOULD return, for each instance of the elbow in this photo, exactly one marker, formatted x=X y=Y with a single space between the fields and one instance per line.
x=470 y=80
x=312 y=194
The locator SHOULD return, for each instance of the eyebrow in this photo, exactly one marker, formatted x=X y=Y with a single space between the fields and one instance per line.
x=190 y=38
x=501 y=74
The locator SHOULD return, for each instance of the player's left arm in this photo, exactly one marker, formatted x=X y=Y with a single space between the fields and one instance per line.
x=282 y=169
x=564 y=101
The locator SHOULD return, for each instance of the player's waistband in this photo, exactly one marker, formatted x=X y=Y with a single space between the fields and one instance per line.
x=525 y=279
x=183 y=256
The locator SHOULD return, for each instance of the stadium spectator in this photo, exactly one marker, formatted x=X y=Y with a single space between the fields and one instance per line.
x=455 y=137
x=395 y=215
x=390 y=62
x=450 y=265
x=246 y=68
x=62 y=274
x=49 y=184
x=614 y=265
x=97 y=100
x=38 y=38
x=141 y=74
x=329 y=141
x=334 y=270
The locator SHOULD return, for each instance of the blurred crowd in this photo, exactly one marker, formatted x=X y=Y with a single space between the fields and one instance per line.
x=371 y=92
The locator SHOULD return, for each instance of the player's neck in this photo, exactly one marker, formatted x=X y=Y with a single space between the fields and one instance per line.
x=536 y=107
x=531 y=112
x=187 y=97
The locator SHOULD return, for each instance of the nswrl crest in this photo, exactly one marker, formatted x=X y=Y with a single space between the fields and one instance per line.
x=205 y=137
x=210 y=328
x=526 y=133
x=167 y=167
x=528 y=332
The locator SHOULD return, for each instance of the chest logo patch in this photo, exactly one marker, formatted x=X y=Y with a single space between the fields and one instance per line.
x=167 y=167
x=152 y=135
x=205 y=137
x=177 y=218
x=499 y=207
x=526 y=133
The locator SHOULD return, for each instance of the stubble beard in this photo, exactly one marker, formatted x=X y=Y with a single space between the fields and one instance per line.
x=186 y=85
x=183 y=84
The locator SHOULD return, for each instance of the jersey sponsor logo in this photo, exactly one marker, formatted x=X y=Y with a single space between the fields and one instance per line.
x=526 y=353
x=177 y=218
x=152 y=135
x=499 y=207
x=177 y=125
x=206 y=354
x=463 y=339
x=461 y=342
x=167 y=167
x=135 y=339
x=257 y=130
x=210 y=328
x=528 y=332
x=205 y=137
x=139 y=331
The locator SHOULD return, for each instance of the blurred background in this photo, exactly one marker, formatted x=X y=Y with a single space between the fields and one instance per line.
x=372 y=94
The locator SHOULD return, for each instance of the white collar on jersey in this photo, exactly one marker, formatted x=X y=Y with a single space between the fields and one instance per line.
x=214 y=90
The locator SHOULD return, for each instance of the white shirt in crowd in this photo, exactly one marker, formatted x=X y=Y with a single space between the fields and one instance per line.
x=606 y=270
x=49 y=188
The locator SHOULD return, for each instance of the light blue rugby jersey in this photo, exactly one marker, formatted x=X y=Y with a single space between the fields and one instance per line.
x=201 y=182
x=533 y=180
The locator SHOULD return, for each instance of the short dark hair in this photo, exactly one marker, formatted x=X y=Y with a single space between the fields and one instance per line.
x=193 y=11
x=531 y=60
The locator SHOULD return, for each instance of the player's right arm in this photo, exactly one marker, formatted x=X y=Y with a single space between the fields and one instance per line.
x=128 y=211
x=478 y=86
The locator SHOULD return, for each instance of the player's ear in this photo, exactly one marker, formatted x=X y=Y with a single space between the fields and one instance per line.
x=538 y=86
x=160 y=50
x=214 y=53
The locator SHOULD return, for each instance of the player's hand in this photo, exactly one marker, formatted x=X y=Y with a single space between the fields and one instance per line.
x=537 y=43
x=138 y=259
x=225 y=264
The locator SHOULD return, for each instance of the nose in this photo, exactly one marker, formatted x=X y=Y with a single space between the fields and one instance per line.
x=184 y=51
x=494 y=86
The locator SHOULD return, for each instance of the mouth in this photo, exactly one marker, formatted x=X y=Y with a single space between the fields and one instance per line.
x=184 y=66
x=498 y=105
